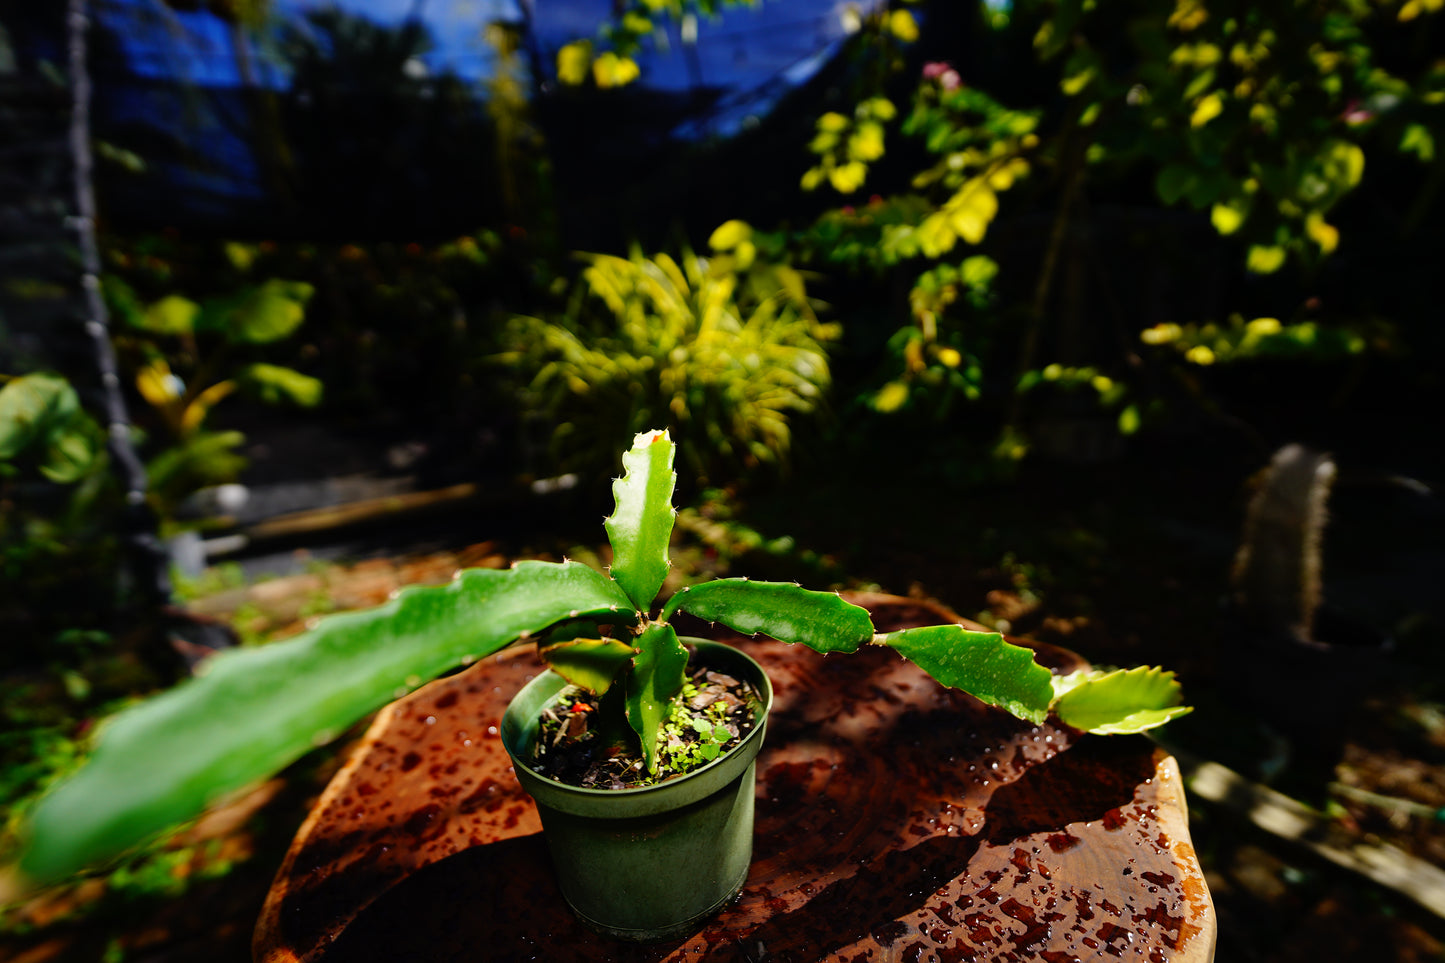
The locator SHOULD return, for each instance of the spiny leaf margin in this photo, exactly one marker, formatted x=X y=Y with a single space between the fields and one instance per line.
x=641 y=525
x=592 y=664
x=255 y=710
x=823 y=621
x=1121 y=702
x=980 y=663
x=658 y=673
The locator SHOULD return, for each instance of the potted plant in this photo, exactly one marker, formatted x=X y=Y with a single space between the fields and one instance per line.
x=254 y=710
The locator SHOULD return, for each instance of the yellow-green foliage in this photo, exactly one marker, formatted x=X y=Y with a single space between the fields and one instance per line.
x=1240 y=340
x=725 y=351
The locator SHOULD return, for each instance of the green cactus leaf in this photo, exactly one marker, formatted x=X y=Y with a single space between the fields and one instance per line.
x=591 y=663
x=658 y=672
x=254 y=710
x=981 y=664
x=1119 y=702
x=819 y=620
x=641 y=526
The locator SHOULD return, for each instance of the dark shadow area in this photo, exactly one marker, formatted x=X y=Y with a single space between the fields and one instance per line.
x=497 y=901
x=1084 y=784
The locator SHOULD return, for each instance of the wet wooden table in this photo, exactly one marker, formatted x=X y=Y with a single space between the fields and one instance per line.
x=896 y=820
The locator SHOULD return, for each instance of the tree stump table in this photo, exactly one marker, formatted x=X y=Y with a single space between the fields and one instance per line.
x=896 y=820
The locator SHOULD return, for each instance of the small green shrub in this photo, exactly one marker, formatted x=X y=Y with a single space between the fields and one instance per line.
x=724 y=351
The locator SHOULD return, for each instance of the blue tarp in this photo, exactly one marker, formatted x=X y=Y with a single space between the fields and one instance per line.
x=179 y=88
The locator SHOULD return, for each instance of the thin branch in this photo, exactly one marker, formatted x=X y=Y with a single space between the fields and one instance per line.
x=148 y=555
x=1072 y=159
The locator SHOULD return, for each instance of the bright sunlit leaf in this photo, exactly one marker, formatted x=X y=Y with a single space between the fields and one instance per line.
x=1129 y=420
x=1418 y=140
x=978 y=271
x=745 y=254
x=195 y=414
x=1124 y=701
x=866 y=144
x=641 y=525
x=269 y=312
x=240 y=255
x=1264 y=259
x=847 y=178
x=1003 y=177
x=157 y=384
x=902 y=25
x=636 y=23
x=1161 y=333
x=1206 y=110
x=610 y=70
x=275 y=384
x=1227 y=216
x=1072 y=85
x=891 y=397
x=1326 y=235
x=729 y=235
x=171 y=315
x=879 y=108
x=1343 y=164
x=1414 y=8
x=574 y=62
x=972 y=209
x=1187 y=15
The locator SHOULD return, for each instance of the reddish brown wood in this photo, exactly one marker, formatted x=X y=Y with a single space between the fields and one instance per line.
x=896 y=820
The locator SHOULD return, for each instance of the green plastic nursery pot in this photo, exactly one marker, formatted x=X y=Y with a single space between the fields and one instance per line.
x=648 y=863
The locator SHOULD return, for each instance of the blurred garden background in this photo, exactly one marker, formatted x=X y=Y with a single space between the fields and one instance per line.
x=1012 y=305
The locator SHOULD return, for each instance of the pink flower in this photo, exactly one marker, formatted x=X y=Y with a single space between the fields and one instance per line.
x=942 y=72
x=1355 y=113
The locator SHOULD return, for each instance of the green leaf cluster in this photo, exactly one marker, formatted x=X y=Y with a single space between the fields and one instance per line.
x=931 y=365
x=183 y=356
x=725 y=351
x=1264 y=338
x=710 y=734
x=254 y=710
x=1260 y=121
x=1255 y=113
x=632 y=26
x=41 y=421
